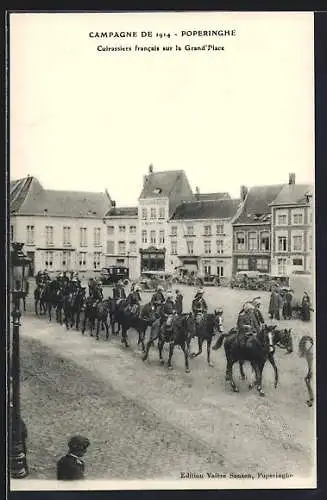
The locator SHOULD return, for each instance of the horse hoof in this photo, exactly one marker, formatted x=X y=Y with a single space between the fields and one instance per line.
x=192 y=354
x=144 y=358
x=251 y=386
x=97 y=338
x=235 y=389
x=262 y=393
x=211 y=365
x=170 y=367
x=161 y=361
x=187 y=370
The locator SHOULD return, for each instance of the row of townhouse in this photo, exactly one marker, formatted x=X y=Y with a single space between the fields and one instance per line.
x=269 y=228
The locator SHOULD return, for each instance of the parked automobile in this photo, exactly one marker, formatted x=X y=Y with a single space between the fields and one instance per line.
x=112 y=274
x=149 y=280
x=207 y=280
x=250 y=280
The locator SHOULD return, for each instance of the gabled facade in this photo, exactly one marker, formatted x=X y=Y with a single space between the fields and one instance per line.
x=292 y=229
x=162 y=192
x=61 y=230
x=201 y=235
x=122 y=239
x=252 y=230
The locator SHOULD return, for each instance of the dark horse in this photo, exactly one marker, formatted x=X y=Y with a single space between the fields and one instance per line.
x=306 y=351
x=180 y=333
x=72 y=306
x=205 y=330
x=127 y=319
x=256 y=349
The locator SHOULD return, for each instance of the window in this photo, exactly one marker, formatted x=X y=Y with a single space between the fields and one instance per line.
x=152 y=213
x=144 y=236
x=67 y=236
x=207 y=247
x=66 y=259
x=49 y=235
x=132 y=229
x=220 y=229
x=207 y=230
x=310 y=242
x=282 y=219
x=297 y=219
x=220 y=246
x=48 y=259
x=121 y=247
x=83 y=237
x=144 y=213
x=190 y=247
x=161 y=212
x=153 y=237
x=122 y=229
x=174 y=230
x=190 y=230
x=174 y=247
x=262 y=264
x=264 y=241
x=97 y=236
x=242 y=264
x=30 y=235
x=132 y=246
x=220 y=271
x=252 y=240
x=282 y=244
x=298 y=261
x=309 y=216
x=11 y=233
x=281 y=264
x=297 y=243
x=96 y=260
x=110 y=229
x=207 y=269
x=240 y=241
x=82 y=259
x=110 y=247
x=161 y=236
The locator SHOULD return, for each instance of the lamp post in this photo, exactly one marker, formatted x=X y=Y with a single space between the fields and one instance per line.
x=18 y=262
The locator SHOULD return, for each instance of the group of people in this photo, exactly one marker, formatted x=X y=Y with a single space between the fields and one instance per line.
x=280 y=304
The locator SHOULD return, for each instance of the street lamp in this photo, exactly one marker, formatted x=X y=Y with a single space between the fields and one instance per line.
x=18 y=263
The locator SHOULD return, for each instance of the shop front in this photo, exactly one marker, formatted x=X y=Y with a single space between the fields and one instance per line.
x=152 y=259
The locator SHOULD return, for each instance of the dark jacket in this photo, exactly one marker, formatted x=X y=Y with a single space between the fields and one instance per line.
x=168 y=307
x=199 y=305
x=119 y=293
x=70 y=467
x=157 y=298
x=179 y=303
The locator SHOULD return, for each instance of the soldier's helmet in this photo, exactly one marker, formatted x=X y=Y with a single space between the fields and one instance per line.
x=169 y=294
x=247 y=306
x=219 y=311
x=200 y=291
x=160 y=288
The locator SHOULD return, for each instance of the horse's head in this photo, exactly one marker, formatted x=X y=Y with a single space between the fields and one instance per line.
x=268 y=332
x=284 y=339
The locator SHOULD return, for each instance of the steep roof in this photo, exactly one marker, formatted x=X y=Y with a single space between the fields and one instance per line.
x=122 y=212
x=211 y=196
x=256 y=207
x=162 y=184
x=211 y=209
x=293 y=194
x=27 y=196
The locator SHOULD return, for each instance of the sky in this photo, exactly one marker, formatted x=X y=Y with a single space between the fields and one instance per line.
x=83 y=119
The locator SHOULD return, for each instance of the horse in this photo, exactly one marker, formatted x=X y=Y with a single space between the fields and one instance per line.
x=39 y=299
x=68 y=308
x=255 y=348
x=101 y=316
x=306 y=351
x=205 y=330
x=89 y=315
x=180 y=333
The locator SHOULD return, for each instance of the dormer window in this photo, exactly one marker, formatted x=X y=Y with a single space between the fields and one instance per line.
x=157 y=191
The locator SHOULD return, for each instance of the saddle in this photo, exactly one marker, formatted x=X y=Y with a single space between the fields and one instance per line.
x=244 y=335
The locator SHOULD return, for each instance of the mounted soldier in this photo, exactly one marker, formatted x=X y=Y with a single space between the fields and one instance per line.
x=158 y=298
x=178 y=302
x=258 y=318
x=133 y=301
x=168 y=312
x=118 y=292
x=199 y=306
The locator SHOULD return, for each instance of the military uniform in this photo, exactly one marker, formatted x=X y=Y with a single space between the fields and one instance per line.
x=157 y=298
x=118 y=292
x=179 y=303
x=199 y=305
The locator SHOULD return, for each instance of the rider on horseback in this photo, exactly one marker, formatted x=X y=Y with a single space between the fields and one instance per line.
x=179 y=302
x=118 y=292
x=199 y=305
x=133 y=301
x=168 y=312
x=246 y=323
x=158 y=298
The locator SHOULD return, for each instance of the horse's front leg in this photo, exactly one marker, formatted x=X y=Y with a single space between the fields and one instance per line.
x=208 y=352
x=273 y=364
x=124 y=336
x=171 y=352
x=84 y=324
x=307 y=380
x=200 y=342
x=107 y=328
x=186 y=354
x=77 y=320
x=229 y=375
x=35 y=307
x=259 y=370
x=161 y=343
x=98 y=323
x=49 y=312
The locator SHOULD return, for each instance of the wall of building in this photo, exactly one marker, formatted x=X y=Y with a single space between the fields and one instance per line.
x=61 y=252
x=122 y=243
x=254 y=254
x=292 y=234
x=212 y=257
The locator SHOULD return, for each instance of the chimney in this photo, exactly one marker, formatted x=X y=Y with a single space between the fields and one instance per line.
x=291 y=178
x=150 y=169
x=243 y=192
x=113 y=204
x=197 y=193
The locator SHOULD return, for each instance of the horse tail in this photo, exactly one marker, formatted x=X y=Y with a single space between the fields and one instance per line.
x=219 y=342
x=302 y=344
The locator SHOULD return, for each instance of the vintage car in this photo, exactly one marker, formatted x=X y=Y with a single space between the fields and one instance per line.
x=207 y=280
x=112 y=274
x=149 y=280
x=250 y=280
